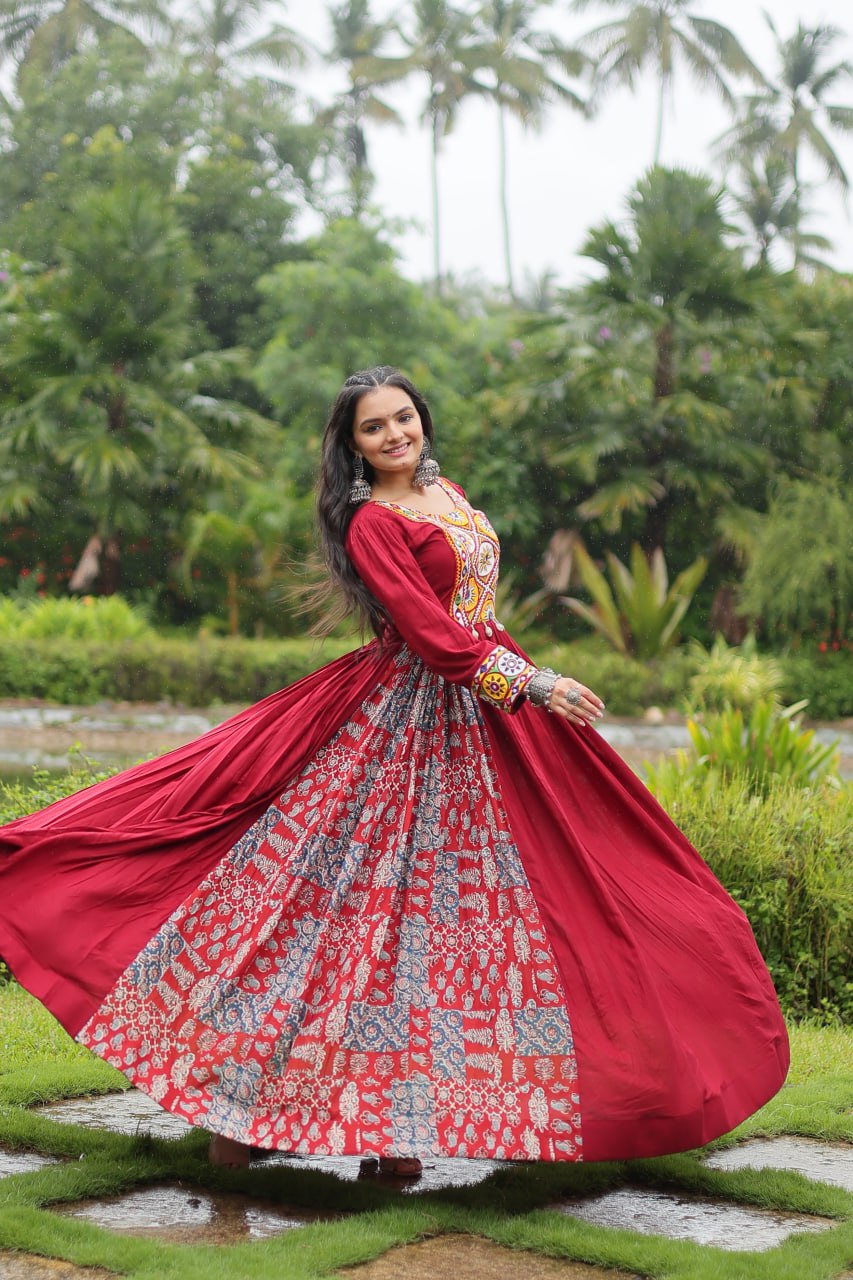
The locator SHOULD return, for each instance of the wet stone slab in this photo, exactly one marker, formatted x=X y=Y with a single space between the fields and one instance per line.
x=179 y=1215
x=683 y=1217
x=469 y=1258
x=12 y=1162
x=26 y=1266
x=438 y=1172
x=821 y=1161
x=130 y=1112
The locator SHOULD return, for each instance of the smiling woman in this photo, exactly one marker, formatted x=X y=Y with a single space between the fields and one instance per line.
x=398 y=909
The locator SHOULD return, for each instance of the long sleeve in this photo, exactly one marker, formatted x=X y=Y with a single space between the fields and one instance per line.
x=385 y=561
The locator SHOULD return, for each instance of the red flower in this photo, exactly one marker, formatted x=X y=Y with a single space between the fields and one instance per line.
x=822 y=647
x=25 y=573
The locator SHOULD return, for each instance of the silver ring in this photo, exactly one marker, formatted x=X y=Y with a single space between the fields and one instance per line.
x=573 y=697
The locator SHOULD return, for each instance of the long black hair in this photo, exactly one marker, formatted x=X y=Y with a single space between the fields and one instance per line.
x=334 y=509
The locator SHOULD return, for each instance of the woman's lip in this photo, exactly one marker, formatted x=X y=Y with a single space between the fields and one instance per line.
x=398 y=448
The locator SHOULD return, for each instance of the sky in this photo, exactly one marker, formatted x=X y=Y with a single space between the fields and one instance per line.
x=574 y=173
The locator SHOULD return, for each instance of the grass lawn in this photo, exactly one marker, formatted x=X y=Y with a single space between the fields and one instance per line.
x=38 y=1062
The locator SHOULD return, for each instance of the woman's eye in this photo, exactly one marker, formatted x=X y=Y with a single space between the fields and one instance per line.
x=406 y=417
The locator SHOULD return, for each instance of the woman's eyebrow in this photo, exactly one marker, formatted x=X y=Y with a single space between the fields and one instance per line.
x=365 y=422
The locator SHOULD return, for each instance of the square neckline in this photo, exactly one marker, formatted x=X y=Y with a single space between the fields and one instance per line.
x=455 y=498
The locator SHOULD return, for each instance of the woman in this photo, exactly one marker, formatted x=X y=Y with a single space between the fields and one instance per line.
x=411 y=905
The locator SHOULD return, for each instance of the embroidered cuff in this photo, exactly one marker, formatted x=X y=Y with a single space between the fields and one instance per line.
x=502 y=677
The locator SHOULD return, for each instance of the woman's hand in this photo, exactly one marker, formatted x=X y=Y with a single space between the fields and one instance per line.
x=576 y=703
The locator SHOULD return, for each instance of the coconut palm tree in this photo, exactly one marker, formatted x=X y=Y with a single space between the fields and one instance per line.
x=226 y=31
x=657 y=33
x=523 y=69
x=766 y=201
x=39 y=35
x=440 y=48
x=357 y=44
x=792 y=116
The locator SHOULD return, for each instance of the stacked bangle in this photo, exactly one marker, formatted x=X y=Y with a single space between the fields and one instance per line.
x=540 y=686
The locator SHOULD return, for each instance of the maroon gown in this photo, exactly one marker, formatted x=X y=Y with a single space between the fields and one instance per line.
x=396 y=909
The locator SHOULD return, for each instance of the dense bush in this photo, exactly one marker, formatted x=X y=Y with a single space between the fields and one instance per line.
x=825 y=679
x=785 y=858
x=193 y=672
x=103 y=618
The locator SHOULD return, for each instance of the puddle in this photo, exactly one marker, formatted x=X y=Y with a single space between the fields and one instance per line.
x=682 y=1217
x=12 y=1162
x=26 y=1266
x=181 y=1216
x=469 y=1258
x=130 y=1112
x=438 y=1171
x=821 y=1161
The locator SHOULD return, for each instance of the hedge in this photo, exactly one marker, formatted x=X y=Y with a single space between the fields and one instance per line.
x=195 y=673
x=205 y=670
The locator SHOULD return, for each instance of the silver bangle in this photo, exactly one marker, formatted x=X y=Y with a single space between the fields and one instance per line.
x=540 y=686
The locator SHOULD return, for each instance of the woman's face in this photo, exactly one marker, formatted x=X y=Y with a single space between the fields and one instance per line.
x=387 y=431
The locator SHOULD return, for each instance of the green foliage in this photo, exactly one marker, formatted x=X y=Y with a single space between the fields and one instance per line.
x=736 y=676
x=784 y=855
x=641 y=613
x=800 y=572
x=824 y=678
x=195 y=673
x=98 y=619
x=22 y=797
x=760 y=746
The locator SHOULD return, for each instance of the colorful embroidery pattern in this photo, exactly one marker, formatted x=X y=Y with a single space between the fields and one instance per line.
x=501 y=677
x=366 y=970
x=477 y=551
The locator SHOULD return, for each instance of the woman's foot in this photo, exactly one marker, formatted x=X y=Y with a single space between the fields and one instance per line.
x=228 y=1153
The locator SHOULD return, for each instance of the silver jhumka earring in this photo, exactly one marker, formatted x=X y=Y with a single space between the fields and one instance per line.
x=427 y=471
x=359 y=489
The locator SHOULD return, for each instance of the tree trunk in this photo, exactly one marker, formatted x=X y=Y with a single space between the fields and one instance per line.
x=233 y=603
x=436 y=210
x=503 y=200
x=665 y=361
x=659 y=125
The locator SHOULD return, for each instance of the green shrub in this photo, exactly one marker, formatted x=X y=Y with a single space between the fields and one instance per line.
x=153 y=668
x=19 y=798
x=765 y=744
x=96 y=618
x=825 y=679
x=626 y=686
x=733 y=677
x=785 y=858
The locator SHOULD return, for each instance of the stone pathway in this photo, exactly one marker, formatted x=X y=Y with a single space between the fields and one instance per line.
x=174 y=1213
